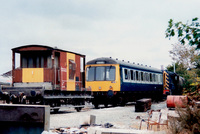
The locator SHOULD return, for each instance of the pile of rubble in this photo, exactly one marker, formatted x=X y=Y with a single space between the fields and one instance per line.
x=83 y=129
x=193 y=97
x=68 y=131
x=86 y=122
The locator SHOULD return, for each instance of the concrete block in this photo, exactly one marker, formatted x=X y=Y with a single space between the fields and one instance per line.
x=87 y=120
x=99 y=130
x=16 y=117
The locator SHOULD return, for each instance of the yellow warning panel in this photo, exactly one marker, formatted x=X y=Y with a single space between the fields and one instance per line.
x=32 y=75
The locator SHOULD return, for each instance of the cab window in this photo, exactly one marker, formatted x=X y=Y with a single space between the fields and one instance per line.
x=100 y=73
x=110 y=73
x=90 y=73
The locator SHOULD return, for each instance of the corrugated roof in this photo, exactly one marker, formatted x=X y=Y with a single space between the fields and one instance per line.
x=43 y=46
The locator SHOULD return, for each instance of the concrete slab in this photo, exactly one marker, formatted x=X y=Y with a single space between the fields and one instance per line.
x=100 y=130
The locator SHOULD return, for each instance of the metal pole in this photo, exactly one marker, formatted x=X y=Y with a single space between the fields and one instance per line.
x=174 y=68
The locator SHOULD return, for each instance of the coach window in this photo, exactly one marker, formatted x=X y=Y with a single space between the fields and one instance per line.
x=142 y=76
x=137 y=75
x=156 y=76
x=132 y=76
x=147 y=76
x=126 y=74
x=151 y=79
x=110 y=73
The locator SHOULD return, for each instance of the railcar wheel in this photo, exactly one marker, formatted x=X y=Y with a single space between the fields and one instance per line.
x=56 y=110
x=96 y=105
x=78 y=109
x=114 y=101
x=96 y=101
x=105 y=104
x=123 y=103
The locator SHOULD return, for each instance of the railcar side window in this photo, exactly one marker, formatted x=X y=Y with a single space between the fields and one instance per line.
x=148 y=79
x=126 y=74
x=137 y=75
x=132 y=75
x=151 y=77
x=142 y=76
x=154 y=78
x=145 y=76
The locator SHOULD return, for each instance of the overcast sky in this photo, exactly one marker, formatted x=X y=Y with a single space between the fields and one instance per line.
x=130 y=30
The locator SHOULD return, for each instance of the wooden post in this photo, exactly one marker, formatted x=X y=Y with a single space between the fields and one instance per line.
x=13 y=66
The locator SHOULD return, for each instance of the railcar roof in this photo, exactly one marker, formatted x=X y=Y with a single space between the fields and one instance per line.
x=18 y=49
x=122 y=63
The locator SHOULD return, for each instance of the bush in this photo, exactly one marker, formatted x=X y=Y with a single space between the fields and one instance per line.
x=188 y=121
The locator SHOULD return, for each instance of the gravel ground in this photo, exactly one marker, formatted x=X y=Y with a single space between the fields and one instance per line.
x=119 y=117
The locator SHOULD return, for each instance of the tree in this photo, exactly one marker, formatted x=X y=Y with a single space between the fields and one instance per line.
x=185 y=32
x=185 y=55
x=179 y=68
x=186 y=52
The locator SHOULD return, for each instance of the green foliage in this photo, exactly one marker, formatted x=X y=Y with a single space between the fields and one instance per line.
x=179 y=68
x=188 y=75
x=185 y=32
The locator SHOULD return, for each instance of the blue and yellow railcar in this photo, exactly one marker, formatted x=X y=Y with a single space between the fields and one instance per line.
x=115 y=81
